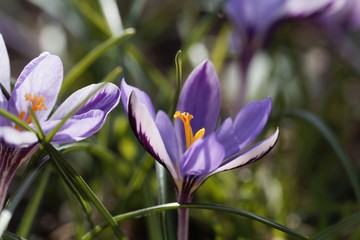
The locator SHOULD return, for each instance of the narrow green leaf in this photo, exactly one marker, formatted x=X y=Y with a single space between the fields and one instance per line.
x=16 y=120
x=35 y=121
x=81 y=187
x=216 y=207
x=4 y=91
x=93 y=16
x=335 y=144
x=79 y=68
x=178 y=66
x=58 y=160
x=29 y=215
x=333 y=229
x=11 y=236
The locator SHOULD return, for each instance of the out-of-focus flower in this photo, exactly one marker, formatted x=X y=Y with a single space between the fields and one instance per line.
x=253 y=19
x=342 y=14
x=343 y=17
x=194 y=148
x=37 y=88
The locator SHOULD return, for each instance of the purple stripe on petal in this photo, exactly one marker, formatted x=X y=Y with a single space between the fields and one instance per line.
x=42 y=76
x=76 y=128
x=253 y=154
x=11 y=159
x=105 y=98
x=148 y=134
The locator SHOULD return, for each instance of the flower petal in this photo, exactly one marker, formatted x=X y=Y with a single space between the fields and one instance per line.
x=4 y=66
x=105 y=97
x=12 y=137
x=167 y=133
x=254 y=17
x=148 y=133
x=247 y=125
x=203 y=157
x=42 y=76
x=251 y=155
x=141 y=95
x=200 y=96
x=76 y=128
x=305 y=8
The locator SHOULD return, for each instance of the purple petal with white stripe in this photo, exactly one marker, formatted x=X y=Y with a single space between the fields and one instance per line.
x=141 y=95
x=42 y=76
x=148 y=134
x=105 y=96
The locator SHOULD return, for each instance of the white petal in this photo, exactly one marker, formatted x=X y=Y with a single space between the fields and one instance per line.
x=14 y=137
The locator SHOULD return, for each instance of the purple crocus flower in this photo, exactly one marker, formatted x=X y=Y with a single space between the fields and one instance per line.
x=37 y=87
x=253 y=19
x=194 y=147
x=341 y=18
x=342 y=14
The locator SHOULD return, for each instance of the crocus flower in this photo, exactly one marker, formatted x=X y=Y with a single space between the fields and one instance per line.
x=338 y=21
x=37 y=88
x=342 y=14
x=193 y=148
x=253 y=19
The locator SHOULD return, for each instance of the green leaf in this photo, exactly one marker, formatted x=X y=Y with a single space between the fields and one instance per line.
x=333 y=229
x=87 y=9
x=79 y=185
x=29 y=215
x=335 y=144
x=216 y=207
x=178 y=65
x=16 y=120
x=84 y=64
x=11 y=236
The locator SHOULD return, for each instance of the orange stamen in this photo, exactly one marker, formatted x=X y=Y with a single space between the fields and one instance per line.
x=190 y=138
x=37 y=104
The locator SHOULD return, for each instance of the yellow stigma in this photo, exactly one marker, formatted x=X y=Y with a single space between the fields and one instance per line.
x=37 y=104
x=190 y=138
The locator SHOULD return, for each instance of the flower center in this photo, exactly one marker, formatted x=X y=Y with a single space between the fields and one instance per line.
x=37 y=104
x=190 y=138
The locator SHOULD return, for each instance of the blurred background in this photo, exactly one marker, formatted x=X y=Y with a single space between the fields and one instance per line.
x=310 y=73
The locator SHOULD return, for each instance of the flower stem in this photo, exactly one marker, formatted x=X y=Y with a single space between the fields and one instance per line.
x=183 y=197
x=183 y=223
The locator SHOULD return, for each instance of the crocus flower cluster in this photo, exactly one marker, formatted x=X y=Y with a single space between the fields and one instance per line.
x=193 y=148
x=37 y=88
